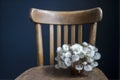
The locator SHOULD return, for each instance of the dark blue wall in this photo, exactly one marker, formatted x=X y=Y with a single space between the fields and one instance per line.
x=17 y=37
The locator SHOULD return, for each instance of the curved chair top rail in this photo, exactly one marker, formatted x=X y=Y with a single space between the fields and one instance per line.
x=66 y=17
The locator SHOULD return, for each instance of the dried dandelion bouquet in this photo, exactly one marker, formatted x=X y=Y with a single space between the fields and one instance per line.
x=80 y=57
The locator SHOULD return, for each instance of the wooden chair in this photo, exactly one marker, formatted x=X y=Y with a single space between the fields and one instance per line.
x=38 y=16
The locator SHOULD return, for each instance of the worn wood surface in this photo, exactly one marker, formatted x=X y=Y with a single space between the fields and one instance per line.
x=58 y=35
x=73 y=34
x=80 y=34
x=65 y=34
x=93 y=31
x=51 y=30
x=39 y=42
x=50 y=73
x=66 y=17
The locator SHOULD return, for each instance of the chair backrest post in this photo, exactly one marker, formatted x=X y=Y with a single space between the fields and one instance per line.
x=38 y=30
x=93 y=30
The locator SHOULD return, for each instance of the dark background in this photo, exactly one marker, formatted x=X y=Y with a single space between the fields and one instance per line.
x=17 y=37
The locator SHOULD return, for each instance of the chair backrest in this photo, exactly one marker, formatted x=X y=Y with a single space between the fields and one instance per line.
x=38 y=16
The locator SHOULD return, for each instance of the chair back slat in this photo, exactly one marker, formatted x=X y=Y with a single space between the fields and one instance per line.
x=72 y=34
x=65 y=34
x=58 y=35
x=93 y=30
x=80 y=34
x=38 y=30
x=51 y=30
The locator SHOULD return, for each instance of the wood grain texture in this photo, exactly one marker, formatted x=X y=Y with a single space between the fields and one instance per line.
x=58 y=35
x=65 y=34
x=51 y=28
x=93 y=30
x=80 y=34
x=50 y=73
x=38 y=30
x=66 y=17
x=72 y=34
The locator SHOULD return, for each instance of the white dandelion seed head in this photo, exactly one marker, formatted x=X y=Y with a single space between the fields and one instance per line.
x=67 y=62
x=85 y=44
x=88 y=68
x=59 y=49
x=67 y=54
x=96 y=49
x=90 y=60
x=94 y=64
x=97 y=56
x=62 y=65
x=91 y=47
x=86 y=50
x=90 y=53
x=76 y=48
x=65 y=47
x=75 y=58
x=81 y=55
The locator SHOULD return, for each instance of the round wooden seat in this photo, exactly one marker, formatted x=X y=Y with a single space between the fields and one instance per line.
x=50 y=73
